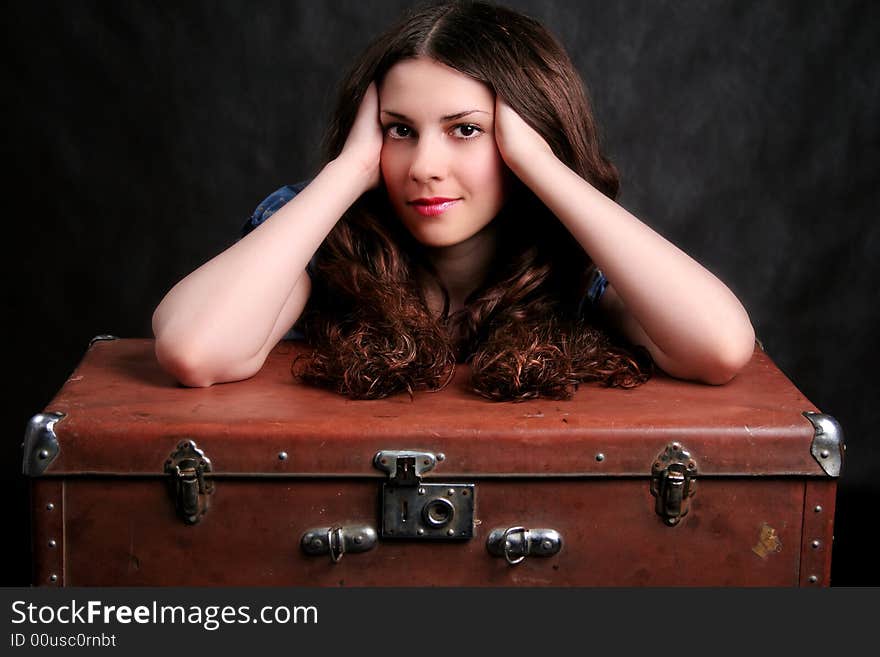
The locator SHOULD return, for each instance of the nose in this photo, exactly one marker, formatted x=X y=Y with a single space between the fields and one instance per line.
x=430 y=160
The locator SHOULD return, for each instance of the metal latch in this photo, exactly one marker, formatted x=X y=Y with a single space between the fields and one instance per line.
x=517 y=543
x=412 y=508
x=673 y=482
x=187 y=467
x=338 y=540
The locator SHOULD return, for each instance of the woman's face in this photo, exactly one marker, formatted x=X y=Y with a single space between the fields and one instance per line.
x=440 y=163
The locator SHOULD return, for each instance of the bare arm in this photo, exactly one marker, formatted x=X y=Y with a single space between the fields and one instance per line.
x=691 y=323
x=219 y=323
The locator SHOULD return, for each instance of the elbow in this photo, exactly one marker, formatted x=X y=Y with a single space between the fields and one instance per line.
x=179 y=355
x=730 y=358
x=183 y=363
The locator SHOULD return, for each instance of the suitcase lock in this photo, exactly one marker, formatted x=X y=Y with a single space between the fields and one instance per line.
x=412 y=508
x=187 y=467
x=673 y=482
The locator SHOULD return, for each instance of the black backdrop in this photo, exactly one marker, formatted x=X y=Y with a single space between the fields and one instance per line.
x=141 y=134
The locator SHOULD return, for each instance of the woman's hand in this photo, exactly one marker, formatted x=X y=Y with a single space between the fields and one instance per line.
x=659 y=297
x=363 y=145
x=517 y=141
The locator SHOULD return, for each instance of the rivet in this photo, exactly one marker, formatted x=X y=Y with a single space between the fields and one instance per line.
x=676 y=446
x=451 y=491
x=52 y=542
x=420 y=532
x=53 y=578
x=812 y=579
x=817 y=509
x=815 y=544
x=358 y=539
x=600 y=457
x=450 y=532
x=547 y=545
x=282 y=456
x=317 y=542
x=441 y=456
x=50 y=506
x=824 y=453
x=44 y=454
x=421 y=491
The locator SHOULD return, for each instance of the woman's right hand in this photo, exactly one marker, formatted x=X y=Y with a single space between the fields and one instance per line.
x=363 y=146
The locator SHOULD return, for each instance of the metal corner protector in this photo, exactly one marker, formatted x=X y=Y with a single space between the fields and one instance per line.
x=40 y=446
x=828 y=445
x=101 y=338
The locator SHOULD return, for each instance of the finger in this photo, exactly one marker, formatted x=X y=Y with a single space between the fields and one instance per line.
x=367 y=112
x=372 y=97
x=371 y=93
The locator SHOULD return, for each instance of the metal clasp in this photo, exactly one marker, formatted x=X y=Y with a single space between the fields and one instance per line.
x=188 y=466
x=405 y=468
x=673 y=483
x=338 y=540
x=412 y=508
x=517 y=543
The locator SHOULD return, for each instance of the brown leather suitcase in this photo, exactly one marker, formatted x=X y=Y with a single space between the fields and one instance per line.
x=138 y=481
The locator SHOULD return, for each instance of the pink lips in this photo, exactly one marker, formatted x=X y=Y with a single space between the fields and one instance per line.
x=431 y=207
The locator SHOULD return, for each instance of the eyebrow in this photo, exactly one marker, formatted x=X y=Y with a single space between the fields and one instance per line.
x=448 y=117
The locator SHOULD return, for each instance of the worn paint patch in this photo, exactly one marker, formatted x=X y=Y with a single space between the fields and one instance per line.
x=768 y=542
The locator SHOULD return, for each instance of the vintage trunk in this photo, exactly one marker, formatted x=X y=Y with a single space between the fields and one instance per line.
x=137 y=481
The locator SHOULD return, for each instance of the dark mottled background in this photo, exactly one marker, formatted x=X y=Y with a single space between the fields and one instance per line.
x=139 y=135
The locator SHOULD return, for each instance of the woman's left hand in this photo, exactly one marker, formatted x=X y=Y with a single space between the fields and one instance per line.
x=517 y=141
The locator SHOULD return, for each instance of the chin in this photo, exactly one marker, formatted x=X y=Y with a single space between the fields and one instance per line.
x=429 y=238
x=434 y=242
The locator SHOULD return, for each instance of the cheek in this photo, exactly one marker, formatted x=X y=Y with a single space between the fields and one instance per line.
x=392 y=164
x=486 y=170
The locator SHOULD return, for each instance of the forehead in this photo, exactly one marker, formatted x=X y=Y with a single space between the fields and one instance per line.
x=425 y=86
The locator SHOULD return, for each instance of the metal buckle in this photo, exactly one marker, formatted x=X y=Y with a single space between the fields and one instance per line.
x=338 y=552
x=506 y=544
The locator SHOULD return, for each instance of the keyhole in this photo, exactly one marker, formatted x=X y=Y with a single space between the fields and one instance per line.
x=404 y=508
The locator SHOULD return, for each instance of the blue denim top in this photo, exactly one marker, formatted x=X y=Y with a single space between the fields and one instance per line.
x=276 y=200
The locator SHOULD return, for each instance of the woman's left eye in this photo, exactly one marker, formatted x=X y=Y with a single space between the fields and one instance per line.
x=467 y=131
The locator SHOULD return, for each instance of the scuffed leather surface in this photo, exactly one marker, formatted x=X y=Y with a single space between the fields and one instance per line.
x=124 y=415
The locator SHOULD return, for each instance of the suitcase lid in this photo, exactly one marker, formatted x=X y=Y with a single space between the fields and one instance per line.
x=122 y=415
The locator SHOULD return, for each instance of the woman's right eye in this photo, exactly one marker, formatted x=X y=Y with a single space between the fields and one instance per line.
x=398 y=131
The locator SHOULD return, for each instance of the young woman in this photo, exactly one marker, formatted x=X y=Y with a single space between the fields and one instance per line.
x=465 y=213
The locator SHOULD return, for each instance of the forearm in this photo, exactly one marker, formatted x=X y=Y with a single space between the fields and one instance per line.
x=690 y=316
x=226 y=309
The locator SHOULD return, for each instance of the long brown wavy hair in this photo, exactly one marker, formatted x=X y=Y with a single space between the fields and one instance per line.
x=521 y=331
